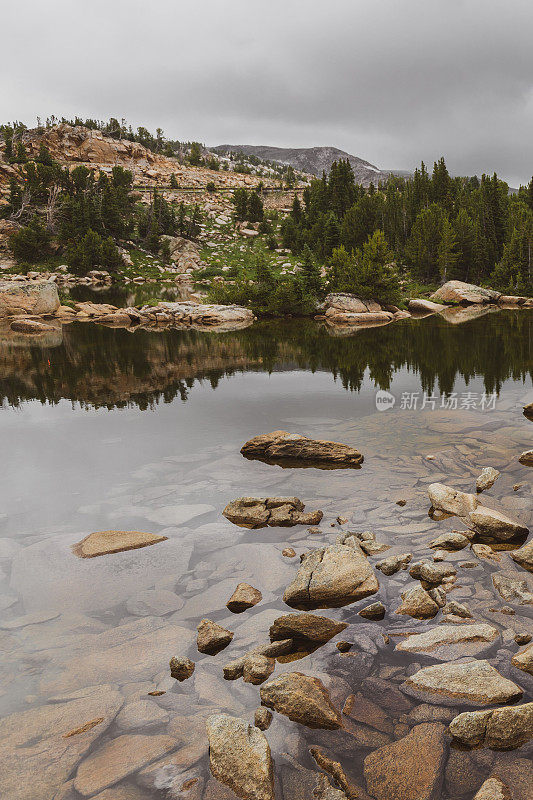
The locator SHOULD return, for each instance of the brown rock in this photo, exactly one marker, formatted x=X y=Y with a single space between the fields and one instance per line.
x=495 y=525
x=302 y=699
x=212 y=638
x=493 y=789
x=526 y=458
x=309 y=627
x=418 y=306
x=500 y=728
x=257 y=668
x=392 y=564
x=373 y=611
x=447 y=642
x=334 y=768
x=102 y=543
x=181 y=668
x=524 y=660
x=410 y=768
x=244 y=597
x=417 y=603
x=524 y=556
x=361 y=709
x=31 y=297
x=468 y=683
x=283 y=446
x=262 y=718
x=258 y=512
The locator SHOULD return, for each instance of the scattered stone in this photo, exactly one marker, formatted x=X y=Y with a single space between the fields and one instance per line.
x=102 y=543
x=528 y=411
x=417 y=603
x=410 y=768
x=288 y=552
x=212 y=638
x=526 y=458
x=309 y=627
x=493 y=789
x=512 y=589
x=485 y=551
x=181 y=668
x=401 y=503
x=431 y=573
x=341 y=520
x=518 y=486
x=447 y=642
x=524 y=660
x=373 y=611
x=522 y=638
x=302 y=699
x=258 y=512
x=473 y=682
x=235 y=669
x=450 y=541
x=141 y=714
x=486 y=479
x=239 y=757
x=457 y=609
x=333 y=768
x=393 y=564
x=87 y=726
x=524 y=556
x=244 y=597
x=332 y=576
x=451 y=501
x=499 y=729
x=257 y=668
x=262 y=718
x=118 y=758
x=283 y=446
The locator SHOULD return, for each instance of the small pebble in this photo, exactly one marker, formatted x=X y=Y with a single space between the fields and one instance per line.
x=401 y=502
x=522 y=638
x=343 y=647
x=156 y=693
x=289 y=552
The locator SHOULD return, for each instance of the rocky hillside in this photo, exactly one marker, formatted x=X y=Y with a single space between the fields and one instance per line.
x=75 y=145
x=313 y=160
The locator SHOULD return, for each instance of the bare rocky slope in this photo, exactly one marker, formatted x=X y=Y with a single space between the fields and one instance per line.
x=313 y=160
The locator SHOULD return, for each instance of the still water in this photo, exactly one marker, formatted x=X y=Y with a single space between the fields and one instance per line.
x=114 y=429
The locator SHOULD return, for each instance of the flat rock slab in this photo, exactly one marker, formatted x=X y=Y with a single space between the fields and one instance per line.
x=239 y=757
x=282 y=446
x=449 y=642
x=36 y=754
x=410 y=768
x=118 y=758
x=309 y=627
x=471 y=683
x=102 y=543
x=302 y=699
x=332 y=577
x=258 y=512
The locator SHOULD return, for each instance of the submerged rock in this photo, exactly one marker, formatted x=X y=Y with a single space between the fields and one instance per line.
x=524 y=556
x=512 y=589
x=102 y=543
x=212 y=638
x=258 y=512
x=302 y=699
x=418 y=603
x=392 y=564
x=499 y=729
x=526 y=458
x=524 y=660
x=473 y=682
x=31 y=326
x=486 y=479
x=447 y=642
x=493 y=789
x=310 y=627
x=373 y=611
x=410 y=768
x=244 y=597
x=239 y=757
x=283 y=446
x=495 y=525
x=331 y=577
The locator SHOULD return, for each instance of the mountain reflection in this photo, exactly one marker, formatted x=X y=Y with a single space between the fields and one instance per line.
x=110 y=368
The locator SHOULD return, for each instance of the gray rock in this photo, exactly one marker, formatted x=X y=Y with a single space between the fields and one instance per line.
x=512 y=589
x=282 y=446
x=493 y=789
x=449 y=642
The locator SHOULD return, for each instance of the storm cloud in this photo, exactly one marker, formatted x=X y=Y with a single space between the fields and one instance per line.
x=392 y=81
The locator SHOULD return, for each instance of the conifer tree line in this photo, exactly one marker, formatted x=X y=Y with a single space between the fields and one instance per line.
x=84 y=215
x=438 y=227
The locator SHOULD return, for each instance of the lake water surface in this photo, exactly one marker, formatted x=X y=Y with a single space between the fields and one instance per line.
x=141 y=430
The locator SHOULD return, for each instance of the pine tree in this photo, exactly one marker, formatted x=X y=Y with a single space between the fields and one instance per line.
x=446 y=254
x=254 y=212
x=173 y=182
x=310 y=272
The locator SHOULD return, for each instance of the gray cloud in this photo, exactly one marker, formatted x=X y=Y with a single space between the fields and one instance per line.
x=393 y=81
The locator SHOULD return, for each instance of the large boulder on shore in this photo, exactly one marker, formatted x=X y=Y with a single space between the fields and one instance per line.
x=331 y=577
x=282 y=446
x=239 y=757
x=32 y=297
x=464 y=293
x=342 y=301
x=420 y=306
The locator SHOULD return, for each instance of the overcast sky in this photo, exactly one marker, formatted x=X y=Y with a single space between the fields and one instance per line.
x=392 y=81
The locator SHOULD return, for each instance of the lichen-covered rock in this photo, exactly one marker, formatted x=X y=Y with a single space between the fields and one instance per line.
x=281 y=446
x=500 y=728
x=181 y=668
x=239 y=757
x=331 y=577
x=257 y=668
x=302 y=699
x=410 y=768
x=493 y=789
x=468 y=683
x=392 y=564
x=32 y=297
x=258 y=512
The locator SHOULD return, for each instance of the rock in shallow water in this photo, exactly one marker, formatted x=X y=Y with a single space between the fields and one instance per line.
x=102 y=543
x=309 y=627
x=448 y=642
x=181 y=668
x=486 y=479
x=392 y=564
x=332 y=576
x=240 y=757
x=493 y=789
x=212 y=638
x=469 y=683
x=410 y=768
x=498 y=728
x=524 y=556
x=244 y=597
x=284 y=446
x=258 y=512
x=524 y=660
x=418 y=603
x=302 y=699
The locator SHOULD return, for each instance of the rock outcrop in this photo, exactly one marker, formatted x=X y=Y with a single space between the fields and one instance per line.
x=239 y=757
x=36 y=298
x=258 y=512
x=331 y=577
x=302 y=699
x=468 y=683
x=499 y=728
x=281 y=447
x=464 y=293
